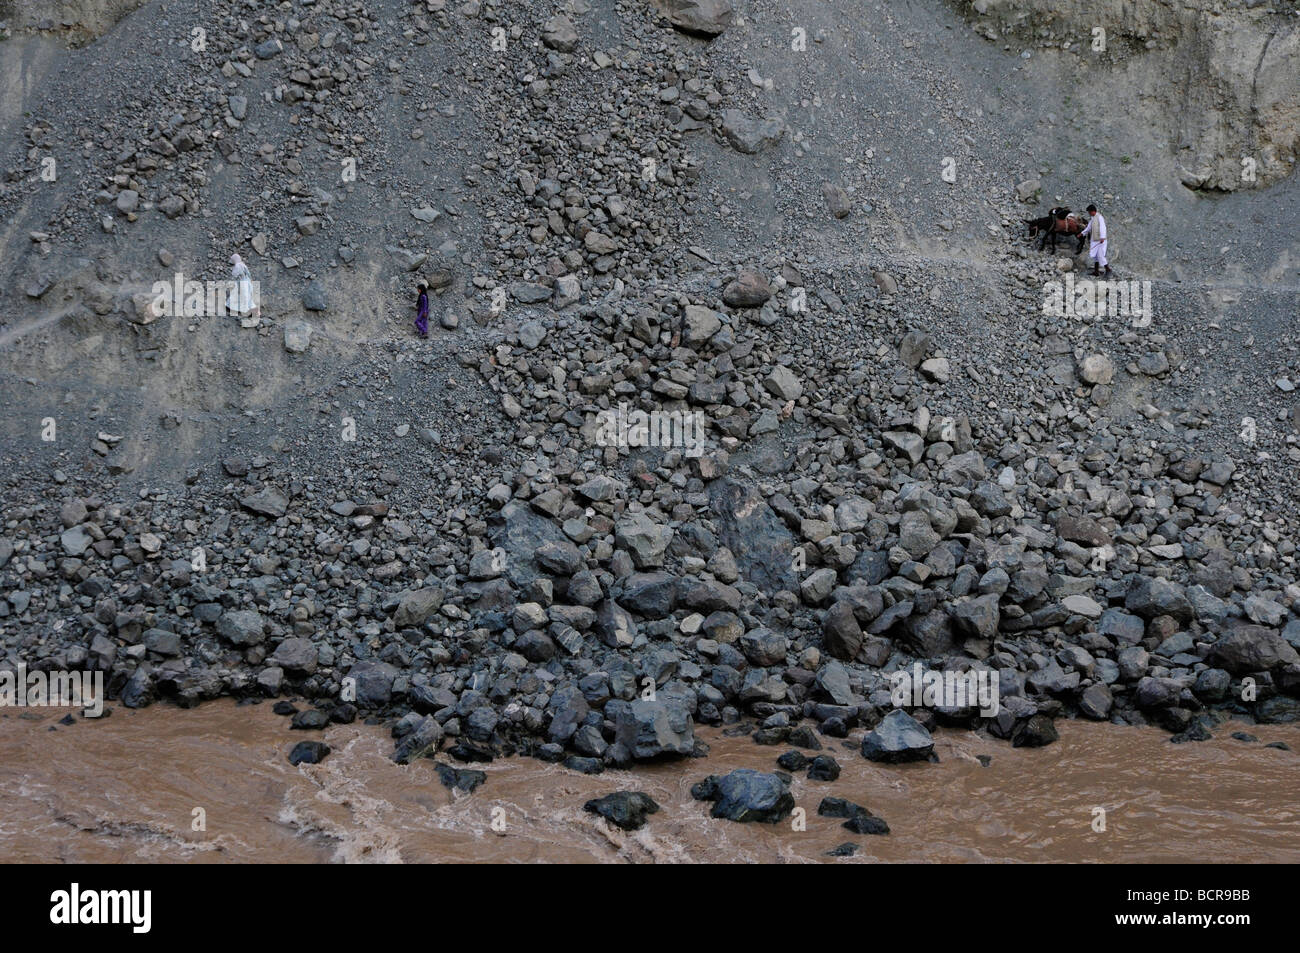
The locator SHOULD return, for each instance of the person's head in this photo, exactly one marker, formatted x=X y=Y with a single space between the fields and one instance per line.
x=236 y=260
x=422 y=285
x=1092 y=210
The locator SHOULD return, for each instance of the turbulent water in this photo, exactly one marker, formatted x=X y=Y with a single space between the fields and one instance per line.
x=130 y=788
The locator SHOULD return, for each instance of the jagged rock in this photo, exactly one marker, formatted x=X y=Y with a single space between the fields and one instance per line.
x=749 y=289
x=420 y=743
x=749 y=135
x=746 y=796
x=297 y=336
x=898 y=738
x=1252 y=648
x=747 y=526
x=615 y=625
x=242 y=627
x=315 y=297
x=268 y=501
x=783 y=383
x=841 y=634
x=1037 y=731
x=837 y=200
x=417 y=606
x=560 y=34
x=373 y=683
x=654 y=729
x=703 y=17
x=1150 y=596
x=296 y=655
x=624 y=809
x=644 y=539
x=309 y=752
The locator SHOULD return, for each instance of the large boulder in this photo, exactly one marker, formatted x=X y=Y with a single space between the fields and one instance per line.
x=745 y=796
x=296 y=655
x=624 y=809
x=615 y=625
x=1252 y=648
x=268 y=501
x=654 y=729
x=417 y=606
x=644 y=539
x=899 y=737
x=749 y=289
x=752 y=531
x=521 y=533
x=699 y=17
x=372 y=683
x=1151 y=596
x=650 y=594
x=242 y=627
x=841 y=634
x=977 y=617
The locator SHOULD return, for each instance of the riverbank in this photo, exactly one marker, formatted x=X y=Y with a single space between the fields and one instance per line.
x=125 y=790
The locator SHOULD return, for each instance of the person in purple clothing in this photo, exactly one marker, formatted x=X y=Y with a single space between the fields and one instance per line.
x=422 y=310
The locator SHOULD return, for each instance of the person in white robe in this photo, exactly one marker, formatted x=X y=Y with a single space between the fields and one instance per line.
x=243 y=297
x=1097 y=240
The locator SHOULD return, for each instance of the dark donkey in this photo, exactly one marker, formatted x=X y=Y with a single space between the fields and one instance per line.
x=1057 y=221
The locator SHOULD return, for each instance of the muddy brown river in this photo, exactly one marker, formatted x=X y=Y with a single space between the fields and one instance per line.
x=213 y=785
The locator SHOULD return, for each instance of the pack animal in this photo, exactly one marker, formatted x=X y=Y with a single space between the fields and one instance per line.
x=1057 y=222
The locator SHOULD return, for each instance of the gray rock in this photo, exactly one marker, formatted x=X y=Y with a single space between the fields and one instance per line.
x=268 y=501
x=645 y=540
x=653 y=729
x=297 y=336
x=423 y=742
x=315 y=297
x=746 y=796
x=417 y=606
x=837 y=200
x=296 y=655
x=242 y=627
x=783 y=383
x=898 y=738
x=764 y=647
x=749 y=289
x=702 y=17
x=624 y=809
x=560 y=34
x=1150 y=596
x=75 y=540
x=1252 y=648
x=373 y=683
x=749 y=135
x=615 y=625
x=841 y=634
x=746 y=525
x=1096 y=702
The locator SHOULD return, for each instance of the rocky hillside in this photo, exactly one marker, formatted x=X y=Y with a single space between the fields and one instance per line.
x=801 y=221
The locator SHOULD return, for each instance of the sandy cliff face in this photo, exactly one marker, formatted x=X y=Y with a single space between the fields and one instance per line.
x=81 y=19
x=1222 y=78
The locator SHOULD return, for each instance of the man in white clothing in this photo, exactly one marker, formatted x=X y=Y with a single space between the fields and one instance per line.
x=1096 y=232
